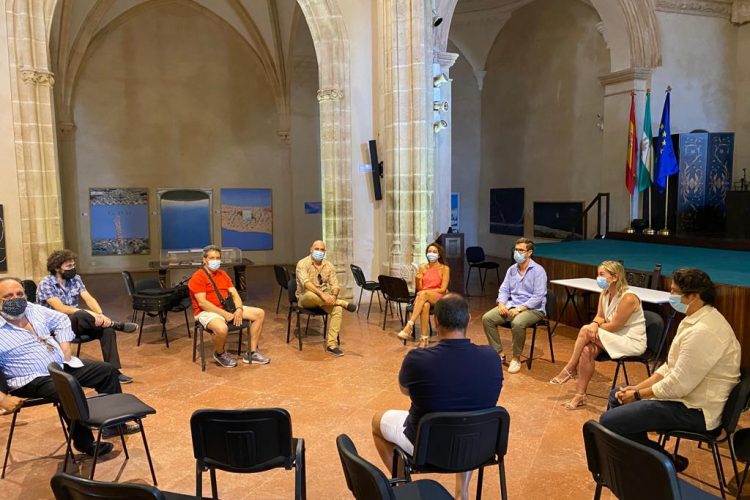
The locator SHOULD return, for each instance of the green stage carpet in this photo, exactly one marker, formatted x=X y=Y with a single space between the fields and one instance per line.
x=724 y=266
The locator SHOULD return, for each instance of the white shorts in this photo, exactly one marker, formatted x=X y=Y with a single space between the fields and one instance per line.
x=205 y=317
x=392 y=429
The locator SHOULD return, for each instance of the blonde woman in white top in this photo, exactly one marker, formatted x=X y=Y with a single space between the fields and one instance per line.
x=619 y=328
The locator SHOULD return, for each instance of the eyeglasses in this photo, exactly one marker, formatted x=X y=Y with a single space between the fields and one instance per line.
x=46 y=342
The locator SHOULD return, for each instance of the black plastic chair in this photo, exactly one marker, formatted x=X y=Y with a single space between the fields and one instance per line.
x=655 y=337
x=99 y=412
x=367 y=482
x=741 y=444
x=395 y=291
x=282 y=279
x=371 y=286
x=476 y=259
x=28 y=403
x=67 y=487
x=735 y=405
x=29 y=288
x=632 y=470
x=449 y=442
x=152 y=302
x=644 y=279
x=246 y=441
x=549 y=311
x=295 y=308
x=200 y=330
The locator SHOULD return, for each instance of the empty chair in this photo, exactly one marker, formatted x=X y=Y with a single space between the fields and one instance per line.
x=450 y=442
x=67 y=487
x=371 y=286
x=632 y=470
x=246 y=441
x=475 y=258
x=395 y=291
x=644 y=279
x=367 y=482
x=99 y=412
x=154 y=304
x=294 y=308
x=655 y=336
x=282 y=279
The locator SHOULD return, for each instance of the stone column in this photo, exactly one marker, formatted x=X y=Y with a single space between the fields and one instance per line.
x=617 y=88
x=34 y=134
x=408 y=130
x=442 y=214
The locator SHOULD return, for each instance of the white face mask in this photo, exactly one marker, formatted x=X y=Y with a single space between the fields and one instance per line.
x=214 y=264
x=432 y=257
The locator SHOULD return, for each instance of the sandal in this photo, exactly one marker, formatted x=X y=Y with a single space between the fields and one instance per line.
x=403 y=334
x=559 y=381
x=424 y=341
x=569 y=405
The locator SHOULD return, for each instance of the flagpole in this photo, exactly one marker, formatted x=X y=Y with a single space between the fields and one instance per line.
x=630 y=229
x=649 y=231
x=665 y=231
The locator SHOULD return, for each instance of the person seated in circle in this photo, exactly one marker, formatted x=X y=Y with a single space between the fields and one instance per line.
x=619 y=328
x=431 y=283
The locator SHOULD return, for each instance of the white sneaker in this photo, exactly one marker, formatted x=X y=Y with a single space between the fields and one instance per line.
x=515 y=366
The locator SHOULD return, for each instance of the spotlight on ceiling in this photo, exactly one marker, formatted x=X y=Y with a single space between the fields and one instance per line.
x=440 y=125
x=439 y=80
x=440 y=106
x=436 y=19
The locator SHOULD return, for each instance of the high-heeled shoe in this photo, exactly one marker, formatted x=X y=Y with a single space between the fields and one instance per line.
x=559 y=381
x=403 y=334
x=570 y=405
x=424 y=341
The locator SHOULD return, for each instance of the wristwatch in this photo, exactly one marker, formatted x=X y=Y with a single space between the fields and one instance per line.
x=637 y=395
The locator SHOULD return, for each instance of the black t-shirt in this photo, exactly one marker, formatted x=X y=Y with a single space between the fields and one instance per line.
x=455 y=375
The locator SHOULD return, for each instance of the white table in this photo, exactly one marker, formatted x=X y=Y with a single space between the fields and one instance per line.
x=589 y=285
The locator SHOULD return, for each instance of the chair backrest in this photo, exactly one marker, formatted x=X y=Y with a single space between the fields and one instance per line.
x=474 y=255
x=69 y=391
x=291 y=289
x=67 y=487
x=644 y=279
x=655 y=334
x=359 y=275
x=461 y=441
x=129 y=283
x=365 y=481
x=736 y=404
x=549 y=306
x=629 y=469
x=248 y=440
x=29 y=288
x=282 y=275
x=147 y=283
x=393 y=288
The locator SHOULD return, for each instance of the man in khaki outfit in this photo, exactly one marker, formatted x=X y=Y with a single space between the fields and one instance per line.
x=318 y=286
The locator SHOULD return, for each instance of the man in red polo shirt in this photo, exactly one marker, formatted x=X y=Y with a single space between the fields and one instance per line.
x=211 y=313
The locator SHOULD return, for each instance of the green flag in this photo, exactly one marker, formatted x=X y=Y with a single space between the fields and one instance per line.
x=646 y=163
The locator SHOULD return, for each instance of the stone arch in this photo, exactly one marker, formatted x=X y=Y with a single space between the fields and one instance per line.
x=331 y=42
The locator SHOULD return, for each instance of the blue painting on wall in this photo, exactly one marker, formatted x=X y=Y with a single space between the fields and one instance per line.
x=313 y=207
x=119 y=221
x=185 y=218
x=506 y=211
x=247 y=218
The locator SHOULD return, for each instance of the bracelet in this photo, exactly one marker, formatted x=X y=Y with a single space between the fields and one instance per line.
x=637 y=395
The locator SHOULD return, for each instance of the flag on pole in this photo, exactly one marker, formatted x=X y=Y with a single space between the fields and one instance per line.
x=666 y=161
x=632 y=159
x=646 y=164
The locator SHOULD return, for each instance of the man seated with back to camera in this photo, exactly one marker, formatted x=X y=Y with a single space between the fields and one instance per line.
x=210 y=312
x=689 y=391
x=454 y=375
x=27 y=347
x=62 y=290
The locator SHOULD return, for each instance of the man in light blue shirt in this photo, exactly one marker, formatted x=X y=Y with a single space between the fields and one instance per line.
x=521 y=302
x=27 y=346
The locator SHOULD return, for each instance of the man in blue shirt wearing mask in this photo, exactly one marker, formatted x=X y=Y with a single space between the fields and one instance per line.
x=521 y=302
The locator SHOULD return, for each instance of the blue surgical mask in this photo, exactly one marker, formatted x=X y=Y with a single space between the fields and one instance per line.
x=602 y=282
x=676 y=303
x=214 y=264
x=519 y=257
x=432 y=257
x=318 y=255
x=14 y=308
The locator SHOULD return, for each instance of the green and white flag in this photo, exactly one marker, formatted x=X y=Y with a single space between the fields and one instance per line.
x=646 y=163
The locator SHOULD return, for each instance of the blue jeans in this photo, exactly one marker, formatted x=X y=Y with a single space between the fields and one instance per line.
x=635 y=420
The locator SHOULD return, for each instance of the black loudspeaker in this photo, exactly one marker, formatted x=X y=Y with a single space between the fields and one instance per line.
x=377 y=170
x=639 y=225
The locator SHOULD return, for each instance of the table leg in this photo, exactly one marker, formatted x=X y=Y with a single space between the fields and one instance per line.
x=570 y=296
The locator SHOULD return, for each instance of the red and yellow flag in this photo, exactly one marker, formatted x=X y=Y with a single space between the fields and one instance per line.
x=631 y=164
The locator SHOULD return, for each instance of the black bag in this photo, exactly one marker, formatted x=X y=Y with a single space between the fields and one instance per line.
x=226 y=303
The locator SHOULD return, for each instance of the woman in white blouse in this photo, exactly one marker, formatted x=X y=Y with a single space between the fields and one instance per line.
x=619 y=328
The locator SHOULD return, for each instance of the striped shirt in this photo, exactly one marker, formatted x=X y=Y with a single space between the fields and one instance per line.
x=24 y=355
x=49 y=288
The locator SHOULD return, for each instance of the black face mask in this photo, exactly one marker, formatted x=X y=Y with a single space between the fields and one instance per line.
x=68 y=273
x=14 y=308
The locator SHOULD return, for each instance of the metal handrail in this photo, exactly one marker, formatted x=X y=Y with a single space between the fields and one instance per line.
x=584 y=215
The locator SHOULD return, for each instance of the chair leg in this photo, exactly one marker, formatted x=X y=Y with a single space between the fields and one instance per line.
x=203 y=350
x=497 y=275
x=480 y=479
x=468 y=275
x=733 y=456
x=617 y=375
x=625 y=372
x=163 y=320
x=96 y=453
x=719 y=468
x=78 y=351
x=68 y=450
x=214 y=488
x=385 y=314
x=531 y=350
x=482 y=278
x=195 y=341
x=380 y=305
x=187 y=323
x=361 y=290
x=198 y=479
x=370 y=304
x=300 y=482
x=289 y=325
x=299 y=332
x=10 y=440
x=140 y=332
x=278 y=302
x=148 y=453
x=503 y=486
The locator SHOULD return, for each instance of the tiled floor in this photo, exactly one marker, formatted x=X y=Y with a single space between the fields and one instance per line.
x=326 y=396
